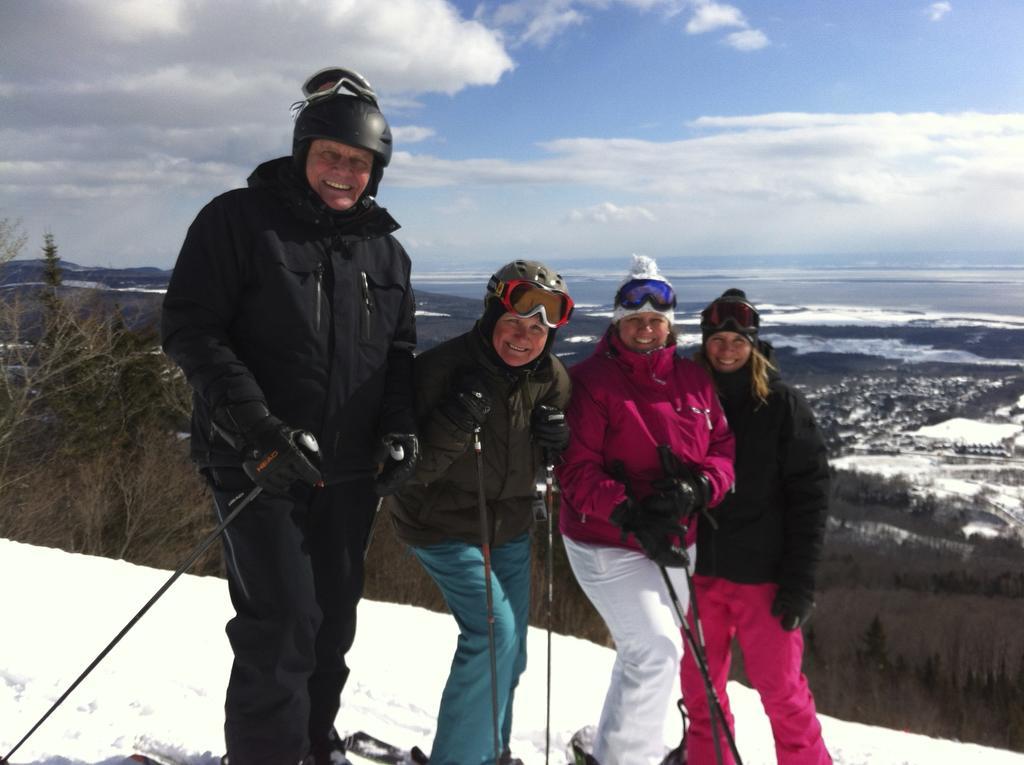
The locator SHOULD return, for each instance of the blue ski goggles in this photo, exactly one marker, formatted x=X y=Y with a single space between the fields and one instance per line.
x=634 y=293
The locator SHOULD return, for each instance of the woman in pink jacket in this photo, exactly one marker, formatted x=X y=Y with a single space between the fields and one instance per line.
x=626 y=499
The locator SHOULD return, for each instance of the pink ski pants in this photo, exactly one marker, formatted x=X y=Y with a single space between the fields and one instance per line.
x=771 y=657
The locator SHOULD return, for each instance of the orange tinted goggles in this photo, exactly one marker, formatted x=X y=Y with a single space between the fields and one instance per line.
x=525 y=298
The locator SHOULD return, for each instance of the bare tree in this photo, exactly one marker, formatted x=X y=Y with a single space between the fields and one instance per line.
x=12 y=240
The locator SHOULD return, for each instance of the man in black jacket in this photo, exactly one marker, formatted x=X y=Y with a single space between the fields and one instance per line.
x=291 y=313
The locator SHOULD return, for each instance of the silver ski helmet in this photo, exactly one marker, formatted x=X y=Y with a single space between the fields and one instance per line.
x=528 y=288
x=502 y=297
x=340 y=105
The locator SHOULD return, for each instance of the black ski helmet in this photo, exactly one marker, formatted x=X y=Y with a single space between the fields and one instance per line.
x=341 y=106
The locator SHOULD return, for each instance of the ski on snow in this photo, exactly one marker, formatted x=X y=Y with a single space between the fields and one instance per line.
x=372 y=748
x=582 y=743
x=151 y=758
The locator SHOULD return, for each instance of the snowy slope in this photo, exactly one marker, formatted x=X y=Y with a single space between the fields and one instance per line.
x=162 y=687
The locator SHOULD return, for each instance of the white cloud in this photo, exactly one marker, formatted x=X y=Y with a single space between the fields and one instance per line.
x=748 y=39
x=708 y=16
x=711 y=16
x=411 y=46
x=538 y=22
x=132 y=20
x=411 y=134
x=545 y=27
x=769 y=183
x=607 y=212
x=792 y=158
x=937 y=11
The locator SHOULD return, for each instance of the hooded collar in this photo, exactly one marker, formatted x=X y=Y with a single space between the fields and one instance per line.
x=733 y=386
x=279 y=176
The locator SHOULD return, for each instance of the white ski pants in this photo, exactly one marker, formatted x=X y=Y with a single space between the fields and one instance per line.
x=628 y=590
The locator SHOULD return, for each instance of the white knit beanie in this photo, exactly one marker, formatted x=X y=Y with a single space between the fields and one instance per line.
x=643 y=267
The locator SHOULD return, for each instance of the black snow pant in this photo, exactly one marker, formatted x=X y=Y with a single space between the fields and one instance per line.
x=295 y=575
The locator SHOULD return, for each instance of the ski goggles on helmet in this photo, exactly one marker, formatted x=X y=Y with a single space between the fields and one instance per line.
x=736 y=313
x=526 y=298
x=333 y=81
x=634 y=293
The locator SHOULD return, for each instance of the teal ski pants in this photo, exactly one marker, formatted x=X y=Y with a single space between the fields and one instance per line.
x=464 y=721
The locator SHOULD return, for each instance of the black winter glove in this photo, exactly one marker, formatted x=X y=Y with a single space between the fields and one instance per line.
x=399 y=464
x=468 y=402
x=549 y=429
x=653 y=532
x=792 y=608
x=274 y=455
x=281 y=456
x=673 y=498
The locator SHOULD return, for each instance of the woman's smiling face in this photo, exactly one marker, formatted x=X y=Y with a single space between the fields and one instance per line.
x=518 y=340
x=727 y=351
x=644 y=332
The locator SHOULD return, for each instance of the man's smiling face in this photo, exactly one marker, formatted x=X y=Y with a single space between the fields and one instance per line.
x=338 y=172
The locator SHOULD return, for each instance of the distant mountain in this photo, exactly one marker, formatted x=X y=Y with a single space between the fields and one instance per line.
x=21 y=272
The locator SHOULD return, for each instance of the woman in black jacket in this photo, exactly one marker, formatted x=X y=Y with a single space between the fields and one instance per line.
x=755 y=572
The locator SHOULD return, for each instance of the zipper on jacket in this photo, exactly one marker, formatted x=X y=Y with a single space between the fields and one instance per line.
x=706 y=413
x=364 y=284
x=318 y=276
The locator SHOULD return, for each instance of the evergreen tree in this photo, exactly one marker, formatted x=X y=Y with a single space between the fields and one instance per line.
x=875 y=651
x=49 y=295
x=52 y=272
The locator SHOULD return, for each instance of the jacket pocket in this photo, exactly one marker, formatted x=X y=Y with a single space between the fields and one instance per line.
x=301 y=284
x=381 y=297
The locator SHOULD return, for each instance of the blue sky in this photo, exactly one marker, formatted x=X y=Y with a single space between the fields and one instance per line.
x=574 y=131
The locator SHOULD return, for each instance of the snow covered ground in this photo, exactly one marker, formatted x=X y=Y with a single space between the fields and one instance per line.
x=162 y=687
x=961 y=429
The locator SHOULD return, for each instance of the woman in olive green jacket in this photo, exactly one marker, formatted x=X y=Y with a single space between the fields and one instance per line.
x=499 y=383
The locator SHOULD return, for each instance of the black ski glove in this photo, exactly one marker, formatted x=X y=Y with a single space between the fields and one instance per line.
x=468 y=402
x=684 y=494
x=653 y=532
x=274 y=455
x=792 y=608
x=281 y=456
x=549 y=429
x=673 y=499
x=399 y=464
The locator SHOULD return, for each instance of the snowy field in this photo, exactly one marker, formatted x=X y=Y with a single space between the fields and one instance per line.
x=932 y=474
x=162 y=687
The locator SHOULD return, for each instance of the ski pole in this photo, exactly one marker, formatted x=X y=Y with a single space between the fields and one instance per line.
x=674 y=469
x=700 y=659
x=485 y=546
x=235 y=506
x=549 y=564
x=398 y=454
